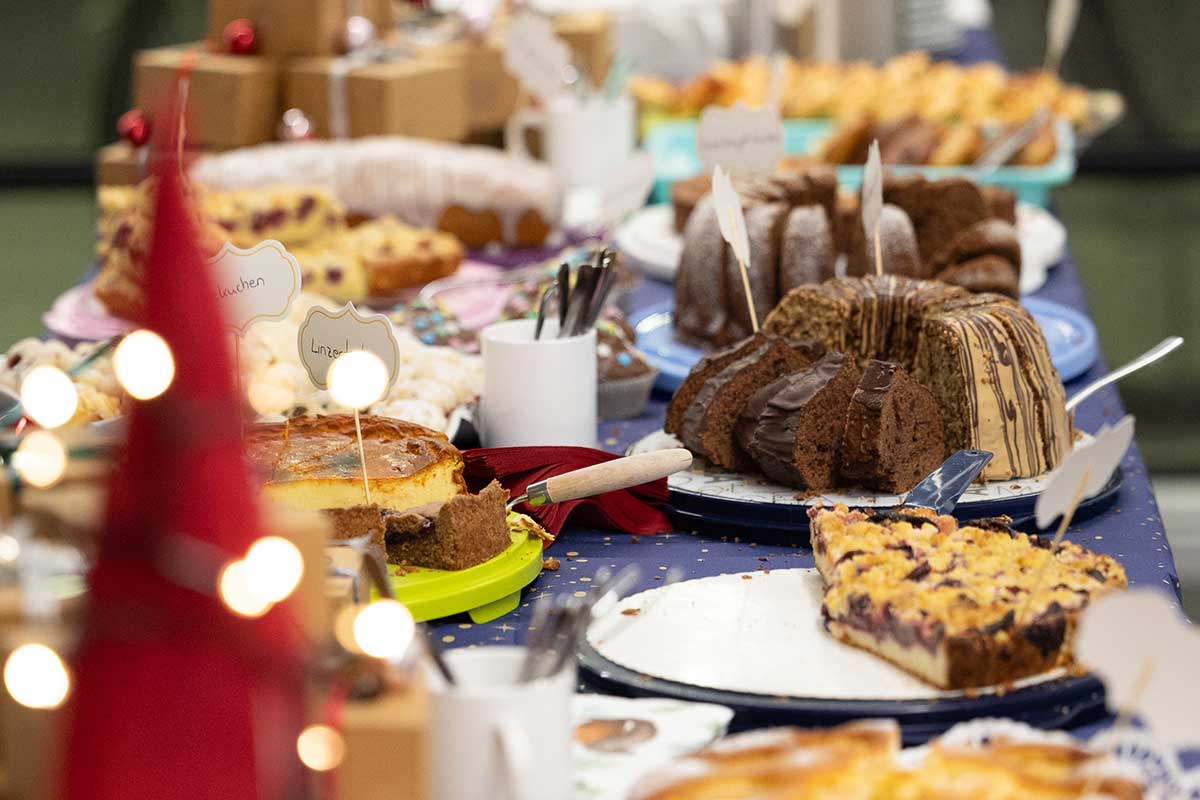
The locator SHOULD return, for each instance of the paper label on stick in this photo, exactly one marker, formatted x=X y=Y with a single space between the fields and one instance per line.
x=256 y=284
x=1143 y=650
x=535 y=56
x=1098 y=458
x=740 y=139
x=324 y=335
x=626 y=188
x=730 y=217
x=872 y=192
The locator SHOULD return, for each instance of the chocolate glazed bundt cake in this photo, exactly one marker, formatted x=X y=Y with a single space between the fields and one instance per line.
x=981 y=355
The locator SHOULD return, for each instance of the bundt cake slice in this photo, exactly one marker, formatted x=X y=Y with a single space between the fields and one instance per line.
x=797 y=438
x=893 y=435
x=707 y=367
x=707 y=427
x=984 y=274
x=938 y=209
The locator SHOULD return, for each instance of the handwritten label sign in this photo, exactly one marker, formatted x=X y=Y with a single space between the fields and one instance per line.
x=535 y=56
x=256 y=284
x=1146 y=654
x=1097 y=459
x=740 y=139
x=872 y=192
x=324 y=335
x=626 y=188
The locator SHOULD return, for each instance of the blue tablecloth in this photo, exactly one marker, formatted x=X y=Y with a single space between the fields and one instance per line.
x=1131 y=530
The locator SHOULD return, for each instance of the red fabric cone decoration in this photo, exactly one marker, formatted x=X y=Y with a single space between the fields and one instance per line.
x=174 y=695
x=638 y=509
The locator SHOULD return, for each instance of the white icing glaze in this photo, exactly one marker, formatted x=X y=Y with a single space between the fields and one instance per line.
x=414 y=179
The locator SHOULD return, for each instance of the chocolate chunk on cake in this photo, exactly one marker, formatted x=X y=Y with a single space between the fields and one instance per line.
x=466 y=530
x=707 y=426
x=893 y=434
x=796 y=436
x=954 y=605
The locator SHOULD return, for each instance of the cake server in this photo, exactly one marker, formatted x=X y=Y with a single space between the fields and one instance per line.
x=941 y=489
x=1005 y=147
x=620 y=473
x=1149 y=357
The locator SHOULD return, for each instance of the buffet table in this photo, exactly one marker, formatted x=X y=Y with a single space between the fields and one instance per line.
x=1131 y=529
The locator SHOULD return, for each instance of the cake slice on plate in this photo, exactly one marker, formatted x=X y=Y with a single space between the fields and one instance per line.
x=951 y=604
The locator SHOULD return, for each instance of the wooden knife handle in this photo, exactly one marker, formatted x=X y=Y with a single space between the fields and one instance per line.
x=620 y=473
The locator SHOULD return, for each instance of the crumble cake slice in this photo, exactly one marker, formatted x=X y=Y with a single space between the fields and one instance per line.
x=942 y=600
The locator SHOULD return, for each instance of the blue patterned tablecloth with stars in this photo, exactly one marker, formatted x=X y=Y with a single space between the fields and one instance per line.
x=1131 y=530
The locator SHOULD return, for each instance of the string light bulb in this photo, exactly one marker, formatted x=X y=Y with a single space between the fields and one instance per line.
x=36 y=677
x=240 y=593
x=40 y=459
x=320 y=747
x=144 y=365
x=357 y=379
x=384 y=629
x=275 y=566
x=49 y=396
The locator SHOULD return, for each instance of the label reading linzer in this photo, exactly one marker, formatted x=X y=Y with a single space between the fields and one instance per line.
x=324 y=335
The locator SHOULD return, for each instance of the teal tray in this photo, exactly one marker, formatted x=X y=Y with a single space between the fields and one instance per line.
x=673 y=145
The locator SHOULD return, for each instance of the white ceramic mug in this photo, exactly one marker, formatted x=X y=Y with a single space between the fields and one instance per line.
x=583 y=140
x=492 y=738
x=537 y=393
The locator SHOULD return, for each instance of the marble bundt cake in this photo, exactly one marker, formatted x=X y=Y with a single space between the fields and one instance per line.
x=982 y=356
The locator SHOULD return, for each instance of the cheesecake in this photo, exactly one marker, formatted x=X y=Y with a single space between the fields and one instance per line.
x=959 y=606
x=313 y=463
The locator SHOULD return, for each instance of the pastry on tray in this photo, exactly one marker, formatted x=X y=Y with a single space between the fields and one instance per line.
x=862 y=761
x=951 y=603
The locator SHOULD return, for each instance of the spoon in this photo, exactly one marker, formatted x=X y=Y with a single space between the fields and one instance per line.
x=1149 y=357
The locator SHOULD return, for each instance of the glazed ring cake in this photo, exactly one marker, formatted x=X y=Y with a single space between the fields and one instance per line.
x=312 y=463
x=862 y=761
x=477 y=193
x=982 y=355
x=952 y=603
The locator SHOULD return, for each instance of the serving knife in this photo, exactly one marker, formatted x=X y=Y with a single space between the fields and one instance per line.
x=942 y=488
x=620 y=473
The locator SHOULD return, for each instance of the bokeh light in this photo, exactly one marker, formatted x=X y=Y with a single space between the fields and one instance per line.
x=357 y=379
x=49 y=396
x=36 y=677
x=320 y=747
x=239 y=591
x=40 y=459
x=384 y=629
x=275 y=567
x=144 y=365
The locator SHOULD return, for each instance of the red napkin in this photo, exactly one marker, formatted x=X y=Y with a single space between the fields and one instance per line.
x=638 y=509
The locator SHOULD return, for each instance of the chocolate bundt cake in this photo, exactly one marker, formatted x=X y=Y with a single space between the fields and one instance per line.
x=897 y=245
x=806 y=252
x=792 y=429
x=893 y=434
x=707 y=424
x=983 y=357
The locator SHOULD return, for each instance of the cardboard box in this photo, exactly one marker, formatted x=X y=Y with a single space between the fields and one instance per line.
x=286 y=27
x=233 y=101
x=386 y=741
x=589 y=35
x=420 y=97
x=118 y=164
x=491 y=91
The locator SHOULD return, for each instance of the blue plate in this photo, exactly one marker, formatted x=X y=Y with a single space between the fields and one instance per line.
x=1070 y=335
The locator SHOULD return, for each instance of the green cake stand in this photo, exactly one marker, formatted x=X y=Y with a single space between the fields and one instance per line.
x=485 y=591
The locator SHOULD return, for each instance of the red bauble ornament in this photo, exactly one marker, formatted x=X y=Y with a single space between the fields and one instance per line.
x=134 y=127
x=240 y=37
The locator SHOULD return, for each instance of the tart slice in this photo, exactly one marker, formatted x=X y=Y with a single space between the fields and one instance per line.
x=951 y=604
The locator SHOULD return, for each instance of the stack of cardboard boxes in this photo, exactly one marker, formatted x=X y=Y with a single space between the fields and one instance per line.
x=456 y=90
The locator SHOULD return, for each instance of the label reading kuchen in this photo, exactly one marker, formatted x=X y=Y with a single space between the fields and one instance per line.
x=256 y=284
x=324 y=335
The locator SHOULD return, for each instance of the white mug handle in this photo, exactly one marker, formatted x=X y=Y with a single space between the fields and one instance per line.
x=516 y=760
x=514 y=130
